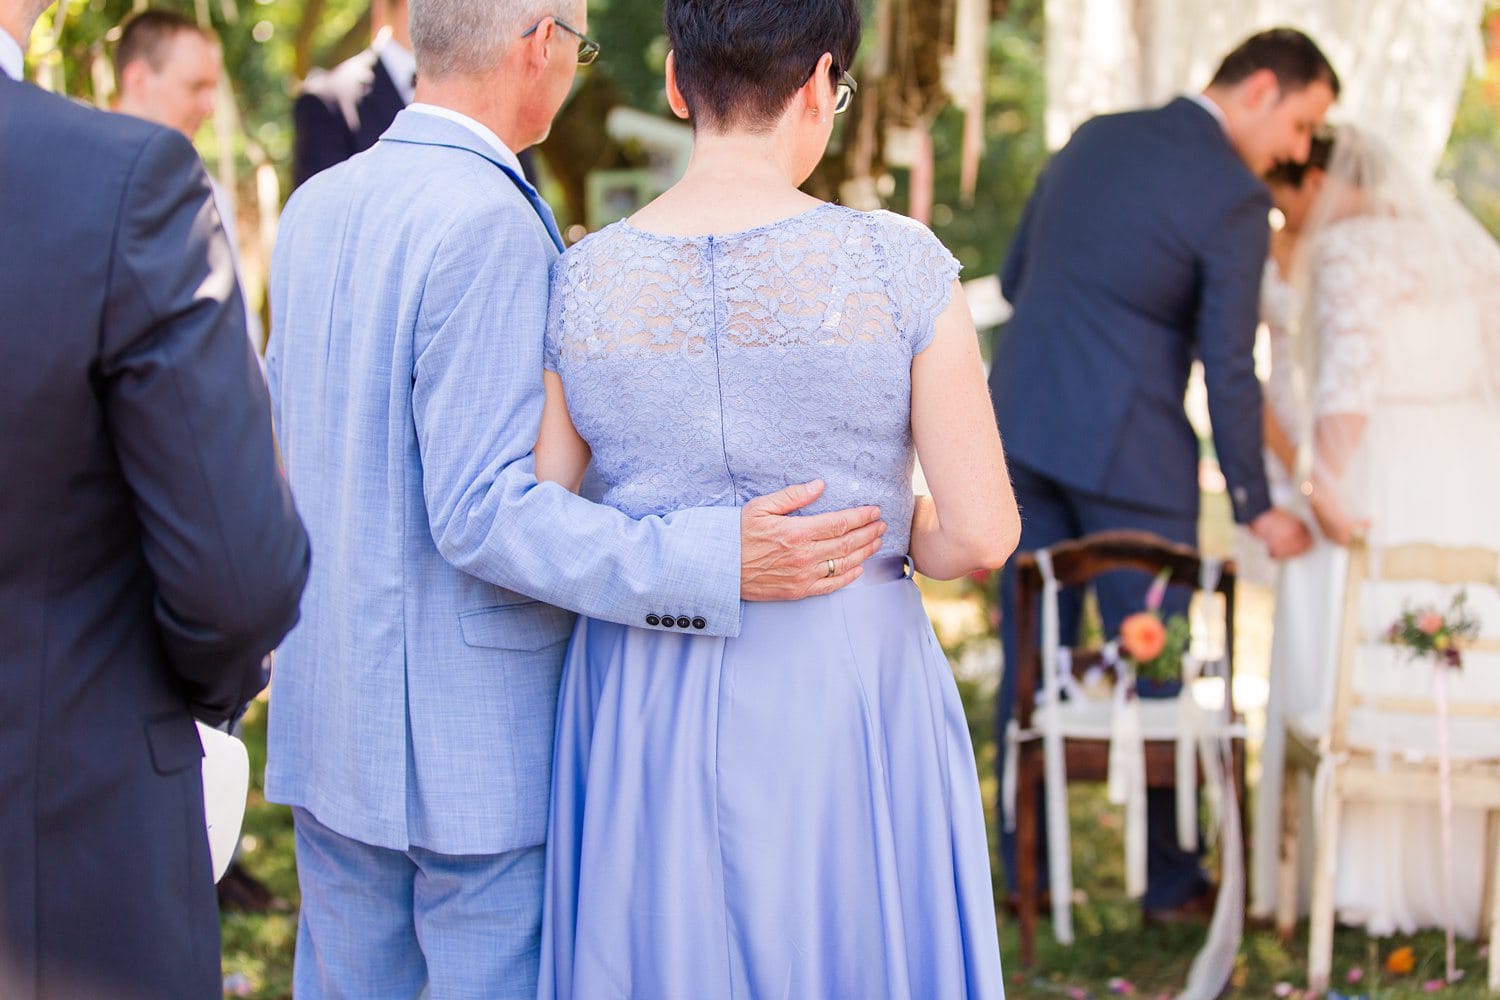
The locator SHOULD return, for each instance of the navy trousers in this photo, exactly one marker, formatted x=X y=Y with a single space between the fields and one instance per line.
x=1052 y=512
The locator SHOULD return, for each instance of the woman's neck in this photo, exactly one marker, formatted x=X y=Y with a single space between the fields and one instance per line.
x=734 y=181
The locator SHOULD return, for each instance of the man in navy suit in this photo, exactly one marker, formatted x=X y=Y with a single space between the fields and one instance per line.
x=1142 y=249
x=150 y=555
x=343 y=111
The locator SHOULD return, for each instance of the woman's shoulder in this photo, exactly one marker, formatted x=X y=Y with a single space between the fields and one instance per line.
x=603 y=243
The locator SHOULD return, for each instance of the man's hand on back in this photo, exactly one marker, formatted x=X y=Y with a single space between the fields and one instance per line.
x=784 y=558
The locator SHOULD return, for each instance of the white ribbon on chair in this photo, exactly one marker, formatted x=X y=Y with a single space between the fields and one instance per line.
x=1194 y=739
x=1059 y=848
x=1127 y=775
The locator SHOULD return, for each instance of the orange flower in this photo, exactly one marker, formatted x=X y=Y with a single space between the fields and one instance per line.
x=1142 y=636
x=1430 y=622
x=1401 y=961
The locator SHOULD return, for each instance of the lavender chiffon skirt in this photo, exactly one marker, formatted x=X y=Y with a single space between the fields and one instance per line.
x=793 y=813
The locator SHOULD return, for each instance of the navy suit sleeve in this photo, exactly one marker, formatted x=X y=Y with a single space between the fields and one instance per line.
x=1228 y=314
x=189 y=420
x=321 y=137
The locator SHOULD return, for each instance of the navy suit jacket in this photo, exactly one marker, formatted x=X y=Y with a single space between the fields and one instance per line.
x=1141 y=248
x=149 y=552
x=341 y=112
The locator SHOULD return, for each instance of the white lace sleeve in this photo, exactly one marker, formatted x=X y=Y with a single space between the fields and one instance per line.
x=1345 y=310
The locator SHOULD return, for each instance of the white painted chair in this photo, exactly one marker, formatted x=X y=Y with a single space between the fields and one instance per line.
x=1379 y=746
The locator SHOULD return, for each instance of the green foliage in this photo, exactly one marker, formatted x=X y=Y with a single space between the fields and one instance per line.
x=1472 y=161
x=1014 y=150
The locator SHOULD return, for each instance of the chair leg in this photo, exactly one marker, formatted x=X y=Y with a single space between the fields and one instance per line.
x=1320 y=920
x=1487 y=892
x=1494 y=908
x=1026 y=834
x=1289 y=852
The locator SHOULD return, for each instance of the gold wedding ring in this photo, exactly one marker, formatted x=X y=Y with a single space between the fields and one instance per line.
x=833 y=568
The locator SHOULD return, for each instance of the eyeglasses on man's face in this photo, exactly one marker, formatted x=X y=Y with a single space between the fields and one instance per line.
x=588 y=49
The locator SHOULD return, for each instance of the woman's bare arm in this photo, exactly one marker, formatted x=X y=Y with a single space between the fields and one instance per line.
x=970 y=521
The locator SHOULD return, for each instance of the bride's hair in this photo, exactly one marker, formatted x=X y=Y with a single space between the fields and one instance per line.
x=1290 y=173
x=738 y=62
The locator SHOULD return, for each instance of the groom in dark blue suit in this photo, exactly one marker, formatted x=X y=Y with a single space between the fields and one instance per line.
x=1141 y=250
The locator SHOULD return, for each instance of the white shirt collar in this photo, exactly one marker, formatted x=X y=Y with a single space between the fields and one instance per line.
x=490 y=138
x=1207 y=104
x=12 y=59
x=398 y=61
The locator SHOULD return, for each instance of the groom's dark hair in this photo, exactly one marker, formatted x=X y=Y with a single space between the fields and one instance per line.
x=1292 y=56
x=738 y=62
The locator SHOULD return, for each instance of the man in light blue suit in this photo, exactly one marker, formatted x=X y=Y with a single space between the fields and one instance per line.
x=412 y=711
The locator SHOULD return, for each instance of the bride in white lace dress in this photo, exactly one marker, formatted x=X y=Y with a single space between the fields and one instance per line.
x=1400 y=336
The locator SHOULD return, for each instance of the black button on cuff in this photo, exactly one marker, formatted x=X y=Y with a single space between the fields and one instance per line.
x=684 y=623
x=653 y=620
x=700 y=624
x=667 y=621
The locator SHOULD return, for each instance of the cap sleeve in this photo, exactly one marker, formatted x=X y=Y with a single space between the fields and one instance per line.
x=921 y=277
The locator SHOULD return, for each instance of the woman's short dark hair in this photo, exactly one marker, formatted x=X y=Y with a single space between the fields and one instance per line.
x=1289 y=173
x=738 y=62
x=1292 y=56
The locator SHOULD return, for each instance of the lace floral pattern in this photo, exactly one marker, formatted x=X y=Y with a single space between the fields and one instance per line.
x=706 y=371
x=1355 y=280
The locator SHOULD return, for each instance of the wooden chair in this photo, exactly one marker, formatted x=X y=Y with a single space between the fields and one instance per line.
x=1356 y=760
x=1076 y=563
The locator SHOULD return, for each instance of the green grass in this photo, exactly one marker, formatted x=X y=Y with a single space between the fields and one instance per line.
x=1111 y=943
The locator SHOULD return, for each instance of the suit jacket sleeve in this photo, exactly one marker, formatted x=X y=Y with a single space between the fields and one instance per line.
x=1228 y=314
x=321 y=137
x=189 y=420
x=477 y=401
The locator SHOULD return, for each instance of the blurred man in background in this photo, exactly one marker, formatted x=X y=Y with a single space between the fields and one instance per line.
x=167 y=71
x=342 y=111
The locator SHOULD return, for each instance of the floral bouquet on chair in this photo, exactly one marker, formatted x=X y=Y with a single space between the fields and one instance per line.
x=1428 y=632
x=1155 y=647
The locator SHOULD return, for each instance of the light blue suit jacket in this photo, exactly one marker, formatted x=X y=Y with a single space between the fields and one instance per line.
x=413 y=705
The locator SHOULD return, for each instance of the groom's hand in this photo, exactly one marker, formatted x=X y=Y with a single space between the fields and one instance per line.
x=1284 y=534
x=786 y=558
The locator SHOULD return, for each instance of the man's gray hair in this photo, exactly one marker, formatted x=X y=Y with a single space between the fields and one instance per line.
x=468 y=37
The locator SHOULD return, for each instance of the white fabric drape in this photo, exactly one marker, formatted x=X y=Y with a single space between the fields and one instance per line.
x=1402 y=64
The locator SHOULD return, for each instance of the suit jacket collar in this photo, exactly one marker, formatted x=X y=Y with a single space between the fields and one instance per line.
x=432 y=130
x=1201 y=117
x=425 y=129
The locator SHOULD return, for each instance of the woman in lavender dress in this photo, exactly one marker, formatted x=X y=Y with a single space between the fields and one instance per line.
x=794 y=812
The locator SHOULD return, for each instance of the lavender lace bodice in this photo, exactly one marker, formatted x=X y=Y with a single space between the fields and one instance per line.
x=708 y=370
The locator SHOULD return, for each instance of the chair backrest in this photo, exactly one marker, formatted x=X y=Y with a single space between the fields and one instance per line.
x=1079 y=561
x=1379 y=583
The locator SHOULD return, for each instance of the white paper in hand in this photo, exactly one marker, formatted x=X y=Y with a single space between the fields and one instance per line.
x=226 y=783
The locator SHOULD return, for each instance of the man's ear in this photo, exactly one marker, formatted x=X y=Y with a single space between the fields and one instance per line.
x=1262 y=90
x=133 y=77
x=539 y=44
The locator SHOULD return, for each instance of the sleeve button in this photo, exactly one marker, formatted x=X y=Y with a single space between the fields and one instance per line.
x=653 y=620
x=667 y=621
x=700 y=624
x=684 y=623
